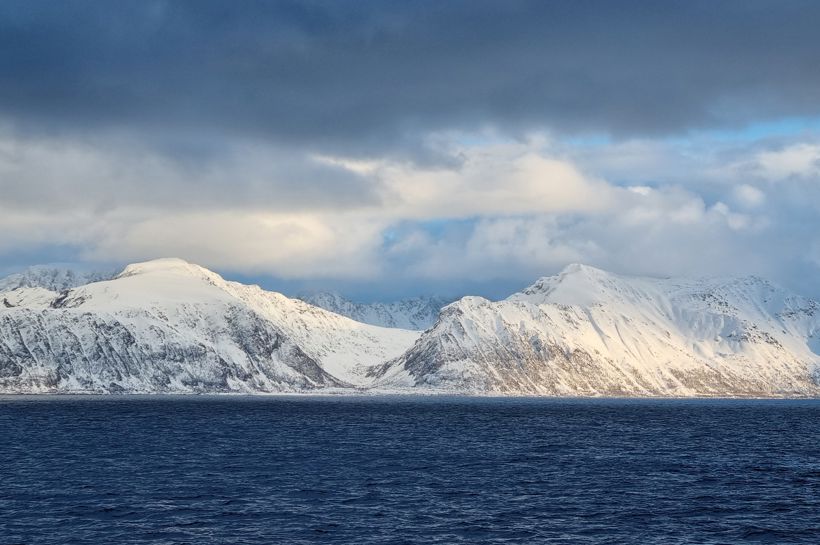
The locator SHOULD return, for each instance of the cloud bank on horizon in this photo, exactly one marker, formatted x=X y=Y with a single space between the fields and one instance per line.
x=437 y=146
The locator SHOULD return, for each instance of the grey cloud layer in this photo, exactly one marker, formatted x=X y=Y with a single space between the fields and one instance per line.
x=416 y=143
x=365 y=76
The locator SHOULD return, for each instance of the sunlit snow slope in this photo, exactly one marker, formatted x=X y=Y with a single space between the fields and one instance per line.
x=588 y=332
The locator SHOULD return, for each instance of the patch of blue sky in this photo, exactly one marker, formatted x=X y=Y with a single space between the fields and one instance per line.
x=597 y=140
x=49 y=254
x=435 y=228
x=752 y=132
x=777 y=128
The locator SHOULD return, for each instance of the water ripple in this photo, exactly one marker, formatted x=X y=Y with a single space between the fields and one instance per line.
x=204 y=470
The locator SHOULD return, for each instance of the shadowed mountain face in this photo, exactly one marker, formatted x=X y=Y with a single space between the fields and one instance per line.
x=589 y=332
x=170 y=326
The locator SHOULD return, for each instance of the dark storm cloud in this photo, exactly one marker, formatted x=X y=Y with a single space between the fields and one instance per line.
x=373 y=76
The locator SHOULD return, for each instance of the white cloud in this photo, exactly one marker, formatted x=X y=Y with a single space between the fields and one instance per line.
x=506 y=209
x=749 y=196
x=491 y=178
x=110 y=172
x=291 y=245
x=657 y=231
x=800 y=159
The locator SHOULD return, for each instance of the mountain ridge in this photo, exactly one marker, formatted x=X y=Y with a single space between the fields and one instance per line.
x=417 y=313
x=54 y=277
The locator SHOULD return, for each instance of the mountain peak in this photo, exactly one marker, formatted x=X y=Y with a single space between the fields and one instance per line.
x=580 y=268
x=575 y=284
x=166 y=265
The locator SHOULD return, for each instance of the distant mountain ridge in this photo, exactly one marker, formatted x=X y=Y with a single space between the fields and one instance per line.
x=417 y=313
x=53 y=278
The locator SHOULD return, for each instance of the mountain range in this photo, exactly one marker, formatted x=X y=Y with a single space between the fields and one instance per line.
x=168 y=326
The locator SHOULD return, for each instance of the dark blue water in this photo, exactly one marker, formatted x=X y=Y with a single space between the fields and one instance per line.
x=407 y=470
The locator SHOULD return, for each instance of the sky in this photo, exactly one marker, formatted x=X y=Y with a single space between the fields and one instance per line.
x=397 y=148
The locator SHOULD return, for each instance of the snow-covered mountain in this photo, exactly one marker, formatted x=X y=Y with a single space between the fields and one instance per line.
x=589 y=332
x=417 y=313
x=170 y=326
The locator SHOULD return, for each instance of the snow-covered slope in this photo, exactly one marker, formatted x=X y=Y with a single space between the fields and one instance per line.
x=418 y=313
x=170 y=326
x=589 y=332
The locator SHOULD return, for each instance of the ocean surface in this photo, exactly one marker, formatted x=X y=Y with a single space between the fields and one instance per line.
x=358 y=470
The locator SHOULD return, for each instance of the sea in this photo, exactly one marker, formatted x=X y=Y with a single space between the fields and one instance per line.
x=405 y=469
